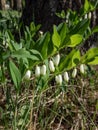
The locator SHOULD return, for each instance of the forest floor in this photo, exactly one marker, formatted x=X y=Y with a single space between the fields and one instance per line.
x=71 y=107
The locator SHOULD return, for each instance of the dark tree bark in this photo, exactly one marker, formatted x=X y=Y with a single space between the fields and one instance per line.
x=2 y=4
x=16 y=4
x=28 y=12
x=43 y=11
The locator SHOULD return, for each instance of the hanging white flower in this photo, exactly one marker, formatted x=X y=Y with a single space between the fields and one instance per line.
x=85 y=16
x=67 y=21
x=74 y=73
x=89 y=15
x=58 y=79
x=81 y=19
x=40 y=32
x=51 y=66
x=82 y=68
x=27 y=75
x=43 y=70
x=56 y=60
x=37 y=71
x=5 y=43
x=66 y=77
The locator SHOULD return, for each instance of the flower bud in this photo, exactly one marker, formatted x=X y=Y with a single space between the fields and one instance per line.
x=81 y=19
x=27 y=75
x=5 y=44
x=89 y=15
x=66 y=77
x=51 y=66
x=85 y=16
x=58 y=79
x=67 y=21
x=56 y=59
x=68 y=14
x=37 y=71
x=82 y=68
x=43 y=70
x=40 y=33
x=74 y=73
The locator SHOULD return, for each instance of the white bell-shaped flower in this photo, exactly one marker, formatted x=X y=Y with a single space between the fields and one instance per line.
x=40 y=33
x=58 y=79
x=27 y=75
x=43 y=70
x=67 y=20
x=51 y=66
x=82 y=68
x=66 y=76
x=89 y=15
x=85 y=16
x=81 y=19
x=74 y=73
x=56 y=60
x=37 y=71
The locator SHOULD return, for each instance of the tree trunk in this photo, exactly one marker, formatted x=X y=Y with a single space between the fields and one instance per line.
x=16 y=4
x=28 y=12
x=44 y=11
x=2 y=4
x=41 y=12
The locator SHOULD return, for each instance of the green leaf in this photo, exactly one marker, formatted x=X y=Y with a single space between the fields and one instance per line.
x=70 y=61
x=15 y=74
x=6 y=55
x=90 y=56
x=42 y=45
x=9 y=39
x=16 y=46
x=44 y=49
x=94 y=61
x=22 y=53
x=75 y=40
x=95 y=29
x=86 y=6
x=56 y=37
x=36 y=53
x=62 y=29
x=61 y=15
x=81 y=27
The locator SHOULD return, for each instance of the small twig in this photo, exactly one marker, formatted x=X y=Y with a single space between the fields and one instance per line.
x=60 y=123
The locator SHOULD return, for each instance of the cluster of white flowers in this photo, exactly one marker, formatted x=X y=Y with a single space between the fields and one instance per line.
x=59 y=78
x=89 y=15
x=42 y=70
x=54 y=63
x=39 y=70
